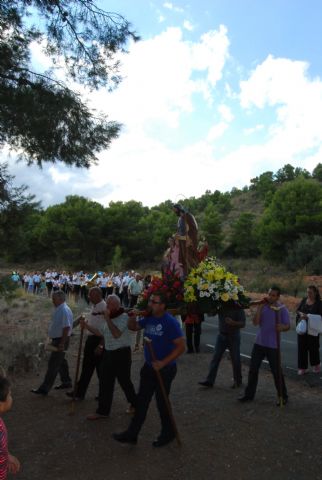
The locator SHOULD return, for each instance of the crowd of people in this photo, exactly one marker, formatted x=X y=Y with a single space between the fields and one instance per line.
x=77 y=284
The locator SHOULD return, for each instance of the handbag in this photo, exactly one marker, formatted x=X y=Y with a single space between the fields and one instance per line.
x=301 y=327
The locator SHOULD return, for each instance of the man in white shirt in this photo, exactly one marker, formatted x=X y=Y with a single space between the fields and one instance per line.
x=135 y=289
x=37 y=281
x=116 y=361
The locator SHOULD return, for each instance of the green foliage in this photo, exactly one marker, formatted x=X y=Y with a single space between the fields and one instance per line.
x=264 y=184
x=72 y=232
x=243 y=238
x=296 y=209
x=8 y=288
x=317 y=172
x=289 y=173
x=306 y=252
x=16 y=209
x=40 y=115
x=211 y=227
x=117 y=262
x=82 y=233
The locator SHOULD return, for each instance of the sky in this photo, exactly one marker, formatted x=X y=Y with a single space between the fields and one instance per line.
x=215 y=93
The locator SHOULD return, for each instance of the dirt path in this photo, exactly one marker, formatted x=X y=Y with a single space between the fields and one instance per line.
x=222 y=438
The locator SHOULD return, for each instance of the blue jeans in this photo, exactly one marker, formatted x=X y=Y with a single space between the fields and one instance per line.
x=232 y=342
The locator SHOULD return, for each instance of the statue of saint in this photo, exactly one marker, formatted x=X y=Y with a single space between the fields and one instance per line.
x=186 y=238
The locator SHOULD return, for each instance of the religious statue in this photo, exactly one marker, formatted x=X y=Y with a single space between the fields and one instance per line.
x=186 y=239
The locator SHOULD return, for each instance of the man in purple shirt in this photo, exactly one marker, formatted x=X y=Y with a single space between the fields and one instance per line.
x=272 y=318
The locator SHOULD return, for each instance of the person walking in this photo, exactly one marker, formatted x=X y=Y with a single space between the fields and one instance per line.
x=59 y=331
x=231 y=319
x=116 y=359
x=168 y=344
x=92 y=354
x=272 y=318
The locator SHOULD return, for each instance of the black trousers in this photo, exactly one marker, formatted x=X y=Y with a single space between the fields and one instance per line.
x=193 y=332
x=258 y=355
x=125 y=296
x=308 y=347
x=103 y=290
x=116 y=364
x=148 y=386
x=91 y=362
x=133 y=300
x=57 y=364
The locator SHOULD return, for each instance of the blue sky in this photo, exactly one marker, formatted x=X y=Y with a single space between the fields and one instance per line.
x=215 y=93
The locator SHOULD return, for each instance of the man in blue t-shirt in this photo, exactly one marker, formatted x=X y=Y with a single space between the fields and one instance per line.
x=168 y=344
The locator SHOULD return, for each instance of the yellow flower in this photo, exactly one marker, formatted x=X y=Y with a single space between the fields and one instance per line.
x=224 y=297
x=235 y=297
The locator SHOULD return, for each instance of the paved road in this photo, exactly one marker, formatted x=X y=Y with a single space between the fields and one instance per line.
x=248 y=335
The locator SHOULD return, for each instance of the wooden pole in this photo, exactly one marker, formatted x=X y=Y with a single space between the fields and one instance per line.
x=279 y=358
x=163 y=391
x=72 y=409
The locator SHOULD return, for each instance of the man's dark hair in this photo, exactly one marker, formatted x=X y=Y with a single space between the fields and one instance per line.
x=277 y=289
x=162 y=296
x=4 y=389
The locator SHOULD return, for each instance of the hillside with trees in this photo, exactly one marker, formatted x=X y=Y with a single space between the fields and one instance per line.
x=277 y=217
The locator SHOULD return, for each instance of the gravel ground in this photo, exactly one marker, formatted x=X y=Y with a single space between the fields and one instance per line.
x=221 y=438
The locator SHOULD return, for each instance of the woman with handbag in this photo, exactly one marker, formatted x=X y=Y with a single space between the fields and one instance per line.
x=308 y=346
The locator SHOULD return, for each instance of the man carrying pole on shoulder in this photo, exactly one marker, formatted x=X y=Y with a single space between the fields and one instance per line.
x=166 y=344
x=272 y=317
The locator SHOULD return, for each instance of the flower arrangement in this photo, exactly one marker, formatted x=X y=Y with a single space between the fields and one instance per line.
x=212 y=287
x=169 y=284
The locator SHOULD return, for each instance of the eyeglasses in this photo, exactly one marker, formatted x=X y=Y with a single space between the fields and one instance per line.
x=157 y=303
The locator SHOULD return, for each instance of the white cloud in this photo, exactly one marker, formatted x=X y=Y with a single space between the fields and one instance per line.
x=226 y=113
x=212 y=53
x=158 y=80
x=59 y=176
x=250 y=131
x=188 y=25
x=171 y=6
x=284 y=85
x=217 y=131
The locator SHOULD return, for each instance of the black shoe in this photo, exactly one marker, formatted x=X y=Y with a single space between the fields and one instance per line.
x=245 y=399
x=71 y=395
x=206 y=384
x=236 y=385
x=197 y=350
x=161 y=441
x=63 y=386
x=189 y=351
x=124 y=437
x=284 y=402
x=38 y=391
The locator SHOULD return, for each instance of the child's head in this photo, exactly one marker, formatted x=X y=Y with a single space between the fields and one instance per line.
x=5 y=395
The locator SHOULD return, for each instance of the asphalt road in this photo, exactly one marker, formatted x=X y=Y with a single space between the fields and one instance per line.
x=248 y=335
